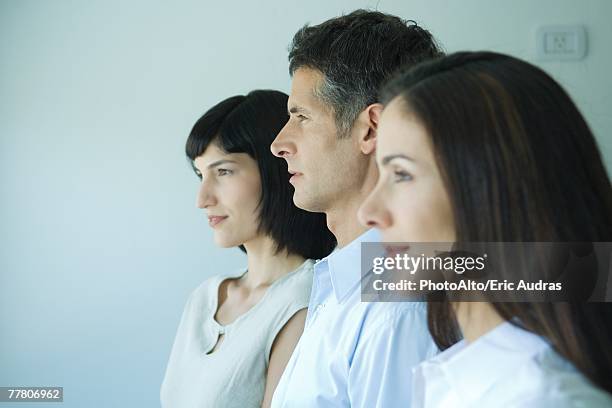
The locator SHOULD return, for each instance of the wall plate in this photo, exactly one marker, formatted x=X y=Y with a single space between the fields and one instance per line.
x=561 y=42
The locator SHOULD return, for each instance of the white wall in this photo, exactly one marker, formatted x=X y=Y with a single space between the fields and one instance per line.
x=100 y=240
x=510 y=27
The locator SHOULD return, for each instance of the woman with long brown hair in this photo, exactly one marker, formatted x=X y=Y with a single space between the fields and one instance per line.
x=484 y=147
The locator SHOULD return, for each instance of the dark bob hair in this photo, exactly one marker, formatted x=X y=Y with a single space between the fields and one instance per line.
x=248 y=124
x=520 y=164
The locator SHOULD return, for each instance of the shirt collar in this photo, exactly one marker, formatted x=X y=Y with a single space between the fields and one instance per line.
x=490 y=358
x=344 y=264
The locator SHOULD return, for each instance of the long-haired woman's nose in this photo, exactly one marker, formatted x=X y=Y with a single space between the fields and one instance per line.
x=371 y=214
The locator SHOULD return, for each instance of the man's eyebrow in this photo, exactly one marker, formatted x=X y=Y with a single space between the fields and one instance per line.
x=297 y=109
x=390 y=157
x=219 y=162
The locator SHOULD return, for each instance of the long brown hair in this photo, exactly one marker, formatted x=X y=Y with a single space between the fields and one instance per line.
x=520 y=164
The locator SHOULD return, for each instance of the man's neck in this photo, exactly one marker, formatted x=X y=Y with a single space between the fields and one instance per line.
x=342 y=216
x=342 y=222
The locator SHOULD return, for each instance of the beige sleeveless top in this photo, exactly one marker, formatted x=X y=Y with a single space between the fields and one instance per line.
x=234 y=375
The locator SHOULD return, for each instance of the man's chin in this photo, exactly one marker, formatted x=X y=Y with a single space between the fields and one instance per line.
x=305 y=203
x=299 y=203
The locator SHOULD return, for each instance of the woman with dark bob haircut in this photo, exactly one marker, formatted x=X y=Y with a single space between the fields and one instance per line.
x=484 y=147
x=239 y=329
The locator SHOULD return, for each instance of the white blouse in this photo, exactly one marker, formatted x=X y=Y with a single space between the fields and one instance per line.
x=234 y=375
x=507 y=367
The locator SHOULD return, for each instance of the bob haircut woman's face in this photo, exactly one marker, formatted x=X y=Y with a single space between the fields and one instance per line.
x=256 y=188
x=230 y=192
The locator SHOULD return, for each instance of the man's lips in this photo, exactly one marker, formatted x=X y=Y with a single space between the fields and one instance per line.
x=294 y=176
x=215 y=219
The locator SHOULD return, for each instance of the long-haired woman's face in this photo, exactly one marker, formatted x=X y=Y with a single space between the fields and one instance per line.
x=409 y=202
x=229 y=192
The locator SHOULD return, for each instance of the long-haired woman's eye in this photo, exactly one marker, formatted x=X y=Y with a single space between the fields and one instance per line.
x=400 y=175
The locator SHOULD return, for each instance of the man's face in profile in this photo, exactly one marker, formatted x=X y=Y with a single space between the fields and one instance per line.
x=323 y=165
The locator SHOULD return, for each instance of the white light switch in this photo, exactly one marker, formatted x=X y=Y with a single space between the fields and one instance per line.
x=561 y=42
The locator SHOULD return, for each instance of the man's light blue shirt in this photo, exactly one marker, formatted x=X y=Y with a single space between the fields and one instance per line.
x=353 y=353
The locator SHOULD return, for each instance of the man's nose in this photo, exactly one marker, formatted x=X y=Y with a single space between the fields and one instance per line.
x=282 y=146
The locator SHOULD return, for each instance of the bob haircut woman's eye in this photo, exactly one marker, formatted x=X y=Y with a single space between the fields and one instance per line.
x=224 y=172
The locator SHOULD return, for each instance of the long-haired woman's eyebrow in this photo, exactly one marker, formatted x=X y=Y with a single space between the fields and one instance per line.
x=390 y=157
x=219 y=162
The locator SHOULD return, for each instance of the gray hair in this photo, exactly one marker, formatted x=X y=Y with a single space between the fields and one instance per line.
x=345 y=103
x=356 y=54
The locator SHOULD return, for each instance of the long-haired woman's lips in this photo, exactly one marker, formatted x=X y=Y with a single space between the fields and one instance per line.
x=392 y=250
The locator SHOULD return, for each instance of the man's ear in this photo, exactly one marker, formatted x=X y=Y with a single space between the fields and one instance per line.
x=369 y=118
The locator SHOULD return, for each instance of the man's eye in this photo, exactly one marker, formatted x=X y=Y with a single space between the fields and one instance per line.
x=302 y=118
x=400 y=175
x=224 y=172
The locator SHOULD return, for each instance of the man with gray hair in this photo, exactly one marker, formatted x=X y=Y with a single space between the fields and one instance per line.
x=351 y=353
